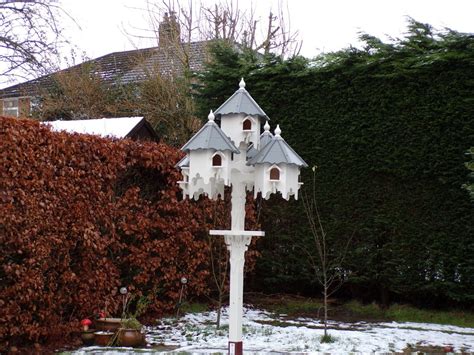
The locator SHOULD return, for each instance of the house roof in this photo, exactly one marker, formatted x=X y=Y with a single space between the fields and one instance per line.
x=124 y=67
x=210 y=136
x=122 y=127
x=241 y=102
x=277 y=151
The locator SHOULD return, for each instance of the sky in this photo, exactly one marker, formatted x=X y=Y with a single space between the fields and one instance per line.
x=98 y=27
x=323 y=26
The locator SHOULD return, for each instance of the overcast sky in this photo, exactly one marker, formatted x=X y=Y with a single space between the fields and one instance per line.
x=323 y=26
x=101 y=26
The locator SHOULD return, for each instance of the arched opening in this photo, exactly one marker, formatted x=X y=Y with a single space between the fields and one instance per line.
x=217 y=160
x=247 y=125
x=274 y=174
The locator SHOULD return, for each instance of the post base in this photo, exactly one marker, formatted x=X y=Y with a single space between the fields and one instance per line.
x=235 y=348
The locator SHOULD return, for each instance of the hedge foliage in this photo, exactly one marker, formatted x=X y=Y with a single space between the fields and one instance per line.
x=387 y=126
x=81 y=216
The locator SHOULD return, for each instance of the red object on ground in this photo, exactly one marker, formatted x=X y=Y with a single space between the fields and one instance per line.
x=86 y=323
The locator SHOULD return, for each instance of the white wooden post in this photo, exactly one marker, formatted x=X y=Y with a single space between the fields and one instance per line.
x=237 y=246
x=237 y=240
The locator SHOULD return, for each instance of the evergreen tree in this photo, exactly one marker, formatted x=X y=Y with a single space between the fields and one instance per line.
x=388 y=126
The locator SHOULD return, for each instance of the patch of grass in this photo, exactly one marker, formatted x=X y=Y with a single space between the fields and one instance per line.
x=371 y=310
x=405 y=313
x=193 y=307
x=328 y=338
x=296 y=307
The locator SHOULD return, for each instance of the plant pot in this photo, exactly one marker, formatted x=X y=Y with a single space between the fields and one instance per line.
x=130 y=337
x=104 y=338
x=108 y=324
x=88 y=337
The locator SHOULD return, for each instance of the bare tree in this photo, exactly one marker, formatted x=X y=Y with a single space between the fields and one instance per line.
x=76 y=93
x=225 y=20
x=166 y=101
x=219 y=258
x=81 y=93
x=29 y=37
x=329 y=254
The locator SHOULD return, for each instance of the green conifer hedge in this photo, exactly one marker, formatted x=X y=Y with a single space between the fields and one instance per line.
x=387 y=126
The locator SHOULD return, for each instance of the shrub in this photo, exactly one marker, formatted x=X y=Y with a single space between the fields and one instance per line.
x=81 y=216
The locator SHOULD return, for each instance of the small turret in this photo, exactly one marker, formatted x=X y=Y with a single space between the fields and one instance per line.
x=241 y=117
x=206 y=166
x=277 y=167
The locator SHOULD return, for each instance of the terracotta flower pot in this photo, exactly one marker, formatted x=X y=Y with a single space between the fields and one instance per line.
x=130 y=337
x=108 y=324
x=88 y=337
x=104 y=338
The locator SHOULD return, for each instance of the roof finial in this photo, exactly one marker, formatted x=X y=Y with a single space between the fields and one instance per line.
x=266 y=127
x=211 y=116
x=242 y=83
x=277 y=131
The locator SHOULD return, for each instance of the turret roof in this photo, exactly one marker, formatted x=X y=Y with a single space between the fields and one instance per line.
x=183 y=163
x=277 y=151
x=210 y=136
x=266 y=136
x=241 y=102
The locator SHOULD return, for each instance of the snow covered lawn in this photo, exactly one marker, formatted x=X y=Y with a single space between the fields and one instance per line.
x=266 y=333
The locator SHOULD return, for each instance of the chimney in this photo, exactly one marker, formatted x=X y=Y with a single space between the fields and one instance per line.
x=169 y=31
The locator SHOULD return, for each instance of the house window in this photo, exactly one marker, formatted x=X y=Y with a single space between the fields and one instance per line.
x=274 y=174
x=10 y=107
x=247 y=125
x=217 y=160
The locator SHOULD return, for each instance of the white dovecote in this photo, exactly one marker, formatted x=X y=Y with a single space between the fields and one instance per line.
x=237 y=155
x=264 y=162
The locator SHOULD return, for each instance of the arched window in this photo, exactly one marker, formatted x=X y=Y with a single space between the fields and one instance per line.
x=274 y=174
x=217 y=160
x=247 y=125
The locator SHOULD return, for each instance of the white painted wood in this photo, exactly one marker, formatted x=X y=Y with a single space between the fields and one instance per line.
x=232 y=126
x=232 y=232
x=288 y=184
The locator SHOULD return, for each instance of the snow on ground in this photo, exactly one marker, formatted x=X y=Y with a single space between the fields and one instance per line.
x=266 y=333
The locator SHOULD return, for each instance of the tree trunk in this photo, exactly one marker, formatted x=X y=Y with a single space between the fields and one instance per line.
x=219 y=308
x=325 y=310
x=384 y=297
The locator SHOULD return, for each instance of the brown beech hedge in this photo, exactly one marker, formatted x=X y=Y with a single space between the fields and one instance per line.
x=81 y=216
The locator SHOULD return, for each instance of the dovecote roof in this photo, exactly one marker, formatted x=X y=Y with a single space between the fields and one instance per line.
x=241 y=102
x=277 y=151
x=210 y=136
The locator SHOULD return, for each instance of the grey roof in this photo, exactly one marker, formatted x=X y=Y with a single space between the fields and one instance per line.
x=210 y=136
x=265 y=138
x=240 y=102
x=169 y=60
x=275 y=152
x=183 y=163
x=123 y=67
x=251 y=152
